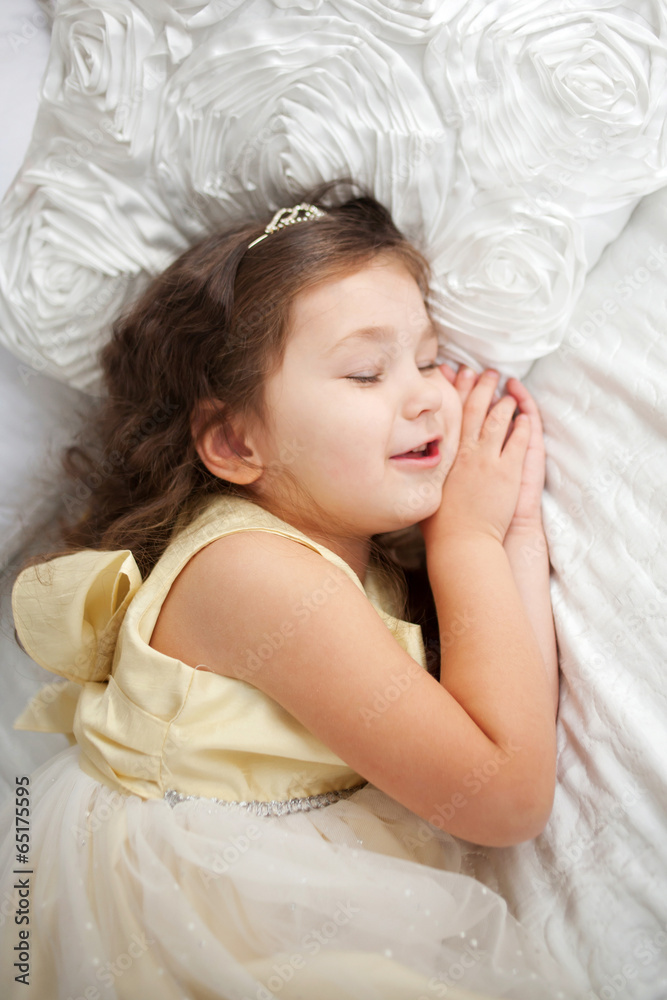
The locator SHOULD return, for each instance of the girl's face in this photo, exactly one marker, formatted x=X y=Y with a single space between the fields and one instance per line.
x=358 y=388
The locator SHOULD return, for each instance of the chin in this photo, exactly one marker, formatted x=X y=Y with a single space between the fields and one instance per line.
x=404 y=521
x=419 y=504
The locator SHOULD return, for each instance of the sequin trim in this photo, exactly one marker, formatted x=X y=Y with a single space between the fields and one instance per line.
x=273 y=808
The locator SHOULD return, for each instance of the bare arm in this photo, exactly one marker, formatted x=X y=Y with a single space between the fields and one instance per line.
x=528 y=556
x=507 y=692
x=493 y=632
x=525 y=543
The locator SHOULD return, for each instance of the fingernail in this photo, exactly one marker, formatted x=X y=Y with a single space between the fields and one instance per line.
x=466 y=372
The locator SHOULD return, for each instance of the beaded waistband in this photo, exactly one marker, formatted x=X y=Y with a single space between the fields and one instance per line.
x=273 y=808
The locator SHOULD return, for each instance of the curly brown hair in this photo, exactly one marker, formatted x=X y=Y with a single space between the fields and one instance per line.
x=213 y=326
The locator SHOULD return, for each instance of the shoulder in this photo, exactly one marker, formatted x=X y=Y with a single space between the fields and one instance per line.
x=261 y=574
x=266 y=562
x=247 y=585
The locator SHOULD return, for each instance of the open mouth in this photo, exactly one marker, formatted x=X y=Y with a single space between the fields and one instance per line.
x=428 y=450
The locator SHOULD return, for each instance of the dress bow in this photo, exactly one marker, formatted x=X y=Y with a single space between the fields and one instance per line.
x=67 y=614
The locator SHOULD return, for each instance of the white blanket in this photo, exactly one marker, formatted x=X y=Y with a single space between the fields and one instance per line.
x=595 y=881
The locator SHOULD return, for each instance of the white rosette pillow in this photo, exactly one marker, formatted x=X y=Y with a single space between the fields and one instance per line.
x=260 y=112
x=161 y=121
x=397 y=22
x=81 y=228
x=505 y=279
x=566 y=99
x=69 y=258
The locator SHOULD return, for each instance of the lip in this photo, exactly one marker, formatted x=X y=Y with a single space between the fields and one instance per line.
x=431 y=457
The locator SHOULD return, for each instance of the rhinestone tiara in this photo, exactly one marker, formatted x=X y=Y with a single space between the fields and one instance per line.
x=302 y=212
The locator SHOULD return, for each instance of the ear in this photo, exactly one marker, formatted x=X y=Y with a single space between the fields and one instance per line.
x=229 y=455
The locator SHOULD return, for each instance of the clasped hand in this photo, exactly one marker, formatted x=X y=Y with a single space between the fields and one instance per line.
x=496 y=480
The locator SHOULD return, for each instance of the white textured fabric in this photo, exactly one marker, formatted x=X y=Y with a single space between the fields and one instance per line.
x=594 y=883
x=509 y=139
x=24 y=47
x=37 y=414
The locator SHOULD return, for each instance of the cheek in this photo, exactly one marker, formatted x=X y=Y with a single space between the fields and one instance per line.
x=452 y=416
x=336 y=433
x=344 y=451
x=449 y=447
x=352 y=447
x=452 y=437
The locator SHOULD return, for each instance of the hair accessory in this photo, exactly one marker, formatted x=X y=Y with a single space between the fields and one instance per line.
x=286 y=216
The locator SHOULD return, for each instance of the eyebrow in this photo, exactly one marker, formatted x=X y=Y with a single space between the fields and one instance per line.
x=380 y=334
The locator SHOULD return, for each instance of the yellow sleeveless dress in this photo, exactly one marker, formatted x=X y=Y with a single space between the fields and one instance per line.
x=196 y=842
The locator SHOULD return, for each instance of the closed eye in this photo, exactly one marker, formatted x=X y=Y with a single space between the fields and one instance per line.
x=376 y=378
x=363 y=378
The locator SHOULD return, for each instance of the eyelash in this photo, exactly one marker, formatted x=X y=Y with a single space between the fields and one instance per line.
x=369 y=379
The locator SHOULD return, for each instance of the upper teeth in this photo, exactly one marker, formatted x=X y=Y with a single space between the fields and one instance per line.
x=422 y=447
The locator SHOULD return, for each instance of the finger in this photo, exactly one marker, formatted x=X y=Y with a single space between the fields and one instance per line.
x=448 y=372
x=466 y=378
x=498 y=420
x=516 y=443
x=477 y=404
x=526 y=404
x=525 y=401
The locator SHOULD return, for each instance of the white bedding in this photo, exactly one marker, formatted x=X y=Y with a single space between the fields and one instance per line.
x=595 y=880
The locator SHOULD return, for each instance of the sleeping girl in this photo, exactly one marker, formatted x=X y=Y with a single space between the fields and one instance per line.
x=267 y=794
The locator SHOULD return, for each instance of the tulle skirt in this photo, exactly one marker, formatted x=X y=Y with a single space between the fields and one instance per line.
x=133 y=900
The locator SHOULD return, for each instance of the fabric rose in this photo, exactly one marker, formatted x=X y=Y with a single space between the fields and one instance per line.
x=191 y=14
x=72 y=251
x=105 y=71
x=569 y=98
x=397 y=22
x=505 y=281
x=259 y=113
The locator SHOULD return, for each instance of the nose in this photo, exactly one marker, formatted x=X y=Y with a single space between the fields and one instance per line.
x=423 y=393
